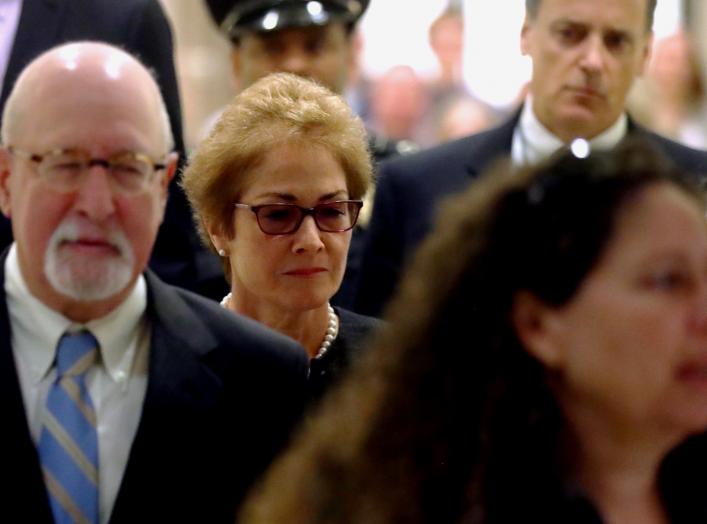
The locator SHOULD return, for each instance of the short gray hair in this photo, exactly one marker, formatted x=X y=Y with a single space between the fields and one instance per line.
x=532 y=6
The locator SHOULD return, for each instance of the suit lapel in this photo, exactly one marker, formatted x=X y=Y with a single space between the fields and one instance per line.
x=21 y=473
x=37 y=30
x=180 y=389
x=491 y=145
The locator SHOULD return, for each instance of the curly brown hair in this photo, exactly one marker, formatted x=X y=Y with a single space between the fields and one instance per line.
x=448 y=418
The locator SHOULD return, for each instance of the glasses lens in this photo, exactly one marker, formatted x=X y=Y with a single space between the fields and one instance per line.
x=336 y=216
x=130 y=172
x=278 y=219
x=63 y=169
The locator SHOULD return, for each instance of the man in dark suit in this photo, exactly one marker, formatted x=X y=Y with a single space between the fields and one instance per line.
x=141 y=28
x=585 y=57
x=126 y=399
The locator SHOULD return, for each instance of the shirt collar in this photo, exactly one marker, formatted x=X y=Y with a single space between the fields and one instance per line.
x=533 y=142
x=116 y=332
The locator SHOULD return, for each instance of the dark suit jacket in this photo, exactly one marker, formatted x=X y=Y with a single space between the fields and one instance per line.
x=222 y=395
x=141 y=28
x=410 y=189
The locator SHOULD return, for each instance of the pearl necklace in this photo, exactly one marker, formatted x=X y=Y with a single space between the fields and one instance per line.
x=225 y=300
x=332 y=329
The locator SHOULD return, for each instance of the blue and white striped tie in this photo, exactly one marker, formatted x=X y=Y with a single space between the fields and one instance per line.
x=68 y=443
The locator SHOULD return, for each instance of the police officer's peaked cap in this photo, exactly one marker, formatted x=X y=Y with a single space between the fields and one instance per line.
x=237 y=16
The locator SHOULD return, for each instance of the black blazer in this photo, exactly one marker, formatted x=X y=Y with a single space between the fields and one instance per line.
x=410 y=189
x=222 y=394
x=356 y=332
x=141 y=28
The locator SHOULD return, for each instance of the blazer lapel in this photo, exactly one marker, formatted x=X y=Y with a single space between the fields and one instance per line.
x=180 y=390
x=491 y=145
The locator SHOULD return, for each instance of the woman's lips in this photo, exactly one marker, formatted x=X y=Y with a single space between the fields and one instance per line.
x=305 y=271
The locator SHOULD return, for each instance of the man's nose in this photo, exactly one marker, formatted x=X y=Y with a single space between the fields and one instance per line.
x=593 y=55
x=95 y=197
x=296 y=61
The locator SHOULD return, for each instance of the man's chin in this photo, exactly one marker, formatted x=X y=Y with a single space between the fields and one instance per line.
x=87 y=279
x=578 y=121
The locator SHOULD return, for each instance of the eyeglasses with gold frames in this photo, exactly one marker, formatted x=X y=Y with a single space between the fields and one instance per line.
x=66 y=169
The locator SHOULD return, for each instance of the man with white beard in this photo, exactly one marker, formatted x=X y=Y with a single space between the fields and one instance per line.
x=126 y=399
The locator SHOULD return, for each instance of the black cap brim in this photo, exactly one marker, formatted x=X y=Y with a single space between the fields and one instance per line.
x=296 y=14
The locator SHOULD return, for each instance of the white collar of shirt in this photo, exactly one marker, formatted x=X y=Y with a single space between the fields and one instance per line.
x=533 y=142
x=114 y=331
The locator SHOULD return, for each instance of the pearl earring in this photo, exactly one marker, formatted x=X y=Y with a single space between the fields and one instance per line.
x=222 y=252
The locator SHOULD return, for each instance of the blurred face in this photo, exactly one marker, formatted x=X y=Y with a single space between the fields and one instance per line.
x=585 y=54
x=630 y=349
x=301 y=270
x=447 y=40
x=671 y=68
x=322 y=53
x=82 y=250
x=398 y=103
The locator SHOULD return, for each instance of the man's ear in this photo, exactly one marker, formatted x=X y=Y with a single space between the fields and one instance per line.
x=165 y=177
x=5 y=168
x=355 y=50
x=535 y=326
x=525 y=36
x=170 y=169
x=645 y=59
x=235 y=57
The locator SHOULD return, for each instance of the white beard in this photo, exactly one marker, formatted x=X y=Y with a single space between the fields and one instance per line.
x=86 y=279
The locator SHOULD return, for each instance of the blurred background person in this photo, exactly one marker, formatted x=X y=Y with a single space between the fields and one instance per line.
x=30 y=27
x=450 y=103
x=446 y=39
x=677 y=106
x=462 y=116
x=277 y=188
x=544 y=362
x=311 y=39
x=398 y=101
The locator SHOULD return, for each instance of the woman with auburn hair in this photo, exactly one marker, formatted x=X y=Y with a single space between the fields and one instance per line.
x=545 y=361
x=276 y=189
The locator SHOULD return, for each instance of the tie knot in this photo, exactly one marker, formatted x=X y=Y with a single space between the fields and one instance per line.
x=75 y=353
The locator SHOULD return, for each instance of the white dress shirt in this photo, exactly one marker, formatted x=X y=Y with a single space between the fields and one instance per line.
x=116 y=383
x=533 y=142
x=9 y=18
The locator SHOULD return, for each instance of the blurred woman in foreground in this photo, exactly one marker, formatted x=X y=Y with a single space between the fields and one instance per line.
x=546 y=362
x=276 y=188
